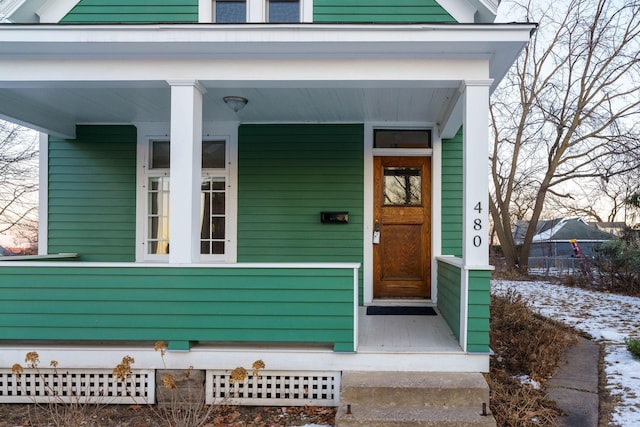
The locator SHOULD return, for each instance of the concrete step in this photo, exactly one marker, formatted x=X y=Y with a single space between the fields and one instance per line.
x=362 y=416
x=414 y=389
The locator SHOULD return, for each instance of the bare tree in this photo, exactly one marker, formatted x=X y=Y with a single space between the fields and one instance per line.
x=568 y=110
x=18 y=180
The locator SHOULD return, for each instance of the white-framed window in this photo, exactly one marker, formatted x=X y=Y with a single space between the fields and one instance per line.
x=283 y=11
x=229 y=11
x=218 y=197
x=255 y=11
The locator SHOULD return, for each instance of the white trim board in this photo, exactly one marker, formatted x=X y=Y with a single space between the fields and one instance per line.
x=43 y=194
x=288 y=358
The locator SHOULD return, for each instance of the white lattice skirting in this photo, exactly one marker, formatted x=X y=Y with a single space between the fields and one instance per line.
x=76 y=386
x=274 y=388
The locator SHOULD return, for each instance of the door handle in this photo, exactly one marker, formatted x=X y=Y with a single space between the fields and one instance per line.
x=376 y=233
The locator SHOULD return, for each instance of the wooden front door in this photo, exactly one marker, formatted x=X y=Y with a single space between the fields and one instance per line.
x=402 y=227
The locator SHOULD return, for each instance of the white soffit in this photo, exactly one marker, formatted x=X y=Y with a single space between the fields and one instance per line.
x=461 y=10
x=54 y=10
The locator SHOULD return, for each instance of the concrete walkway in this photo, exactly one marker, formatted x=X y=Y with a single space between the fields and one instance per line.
x=574 y=387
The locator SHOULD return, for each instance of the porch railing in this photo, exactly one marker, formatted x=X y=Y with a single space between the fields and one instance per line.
x=248 y=303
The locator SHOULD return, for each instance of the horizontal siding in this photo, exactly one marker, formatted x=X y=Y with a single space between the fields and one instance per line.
x=91 y=196
x=178 y=304
x=449 y=288
x=380 y=11
x=288 y=174
x=452 y=196
x=133 y=11
x=479 y=301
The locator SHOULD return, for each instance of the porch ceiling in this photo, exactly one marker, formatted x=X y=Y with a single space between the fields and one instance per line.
x=54 y=77
x=59 y=107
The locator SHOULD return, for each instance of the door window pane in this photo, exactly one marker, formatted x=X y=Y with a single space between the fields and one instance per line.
x=402 y=138
x=230 y=11
x=284 y=10
x=402 y=186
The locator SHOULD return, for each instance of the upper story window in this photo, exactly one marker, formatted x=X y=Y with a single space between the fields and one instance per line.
x=230 y=11
x=255 y=11
x=283 y=10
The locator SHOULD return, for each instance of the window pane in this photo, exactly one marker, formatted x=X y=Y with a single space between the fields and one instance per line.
x=213 y=155
x=160 y=158
x=230 y=11
x=400 y=138
x=212 y=215
x=284 y=11
x=402 y=186
x=158 y=216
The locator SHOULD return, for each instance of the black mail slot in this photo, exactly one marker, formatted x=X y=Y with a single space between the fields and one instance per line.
x=334 y=217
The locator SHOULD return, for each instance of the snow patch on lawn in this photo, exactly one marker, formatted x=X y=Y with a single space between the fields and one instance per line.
x=608 y=318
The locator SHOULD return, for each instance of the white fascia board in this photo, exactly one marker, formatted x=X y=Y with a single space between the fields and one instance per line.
x=319 y=53
x=189 y=39
x=274 y=72
x=53 y=11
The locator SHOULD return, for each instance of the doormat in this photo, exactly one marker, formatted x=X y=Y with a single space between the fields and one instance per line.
x=374 y=310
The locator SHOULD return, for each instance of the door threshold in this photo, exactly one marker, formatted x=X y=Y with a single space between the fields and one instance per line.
x=402 y=302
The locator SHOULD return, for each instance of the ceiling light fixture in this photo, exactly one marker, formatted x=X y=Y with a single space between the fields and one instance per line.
x=236 y=103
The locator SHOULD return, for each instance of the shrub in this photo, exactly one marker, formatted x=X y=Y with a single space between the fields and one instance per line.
x=633 y=345
x=619 y=263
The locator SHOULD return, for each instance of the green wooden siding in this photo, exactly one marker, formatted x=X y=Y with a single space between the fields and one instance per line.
x=449 y=287
x=479 y=300
x=380 y=11
x=92 y=193
x=287 y=175
x=133 y=11
x=178 y=304
x=452 y=196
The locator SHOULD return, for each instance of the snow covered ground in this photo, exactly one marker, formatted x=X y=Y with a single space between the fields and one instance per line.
x=607 y=318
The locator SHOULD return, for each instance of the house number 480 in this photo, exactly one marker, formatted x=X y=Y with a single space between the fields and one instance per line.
x=477 y=226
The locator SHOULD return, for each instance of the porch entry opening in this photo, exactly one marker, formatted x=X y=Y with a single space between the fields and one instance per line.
x=402 y=227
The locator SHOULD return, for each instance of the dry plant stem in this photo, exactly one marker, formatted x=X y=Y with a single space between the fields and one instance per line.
x=524 y=344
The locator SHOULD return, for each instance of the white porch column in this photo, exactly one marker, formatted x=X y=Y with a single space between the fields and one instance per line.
x=185 y=171
x=475 y=125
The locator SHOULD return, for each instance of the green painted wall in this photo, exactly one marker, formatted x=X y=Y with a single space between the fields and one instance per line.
x=287 y=175
x=479 y=301
x=380 y=11
x=92 y=193
x=449 y=287
x=452 y=196
x=178 y=304
x=133 y=11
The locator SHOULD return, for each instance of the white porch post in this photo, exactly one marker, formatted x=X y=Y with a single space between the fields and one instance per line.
x=475 y=190
x=185 y=171
x=475 y=124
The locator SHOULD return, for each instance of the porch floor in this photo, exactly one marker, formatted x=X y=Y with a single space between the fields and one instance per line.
x=398 y=334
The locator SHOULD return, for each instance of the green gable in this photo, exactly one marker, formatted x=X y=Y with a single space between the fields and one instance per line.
x=380 y=11
x=133 y=11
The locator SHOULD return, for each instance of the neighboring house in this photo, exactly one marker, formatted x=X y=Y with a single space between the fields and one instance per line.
x=615 y=228
x=5 y=252
x=553 y=237
x=241 y=179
